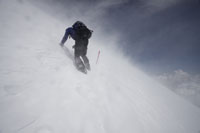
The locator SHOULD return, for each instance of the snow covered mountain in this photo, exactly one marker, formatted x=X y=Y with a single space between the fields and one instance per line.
x=42 y=92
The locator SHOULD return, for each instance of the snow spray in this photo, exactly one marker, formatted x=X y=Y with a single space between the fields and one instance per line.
x=98 y=57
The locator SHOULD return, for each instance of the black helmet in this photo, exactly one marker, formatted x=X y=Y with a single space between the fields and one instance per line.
x=78 y=24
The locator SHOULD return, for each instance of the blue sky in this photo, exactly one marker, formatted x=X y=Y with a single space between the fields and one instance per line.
x=162 y=40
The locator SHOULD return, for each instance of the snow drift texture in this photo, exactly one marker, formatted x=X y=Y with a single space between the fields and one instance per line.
x=42 y=92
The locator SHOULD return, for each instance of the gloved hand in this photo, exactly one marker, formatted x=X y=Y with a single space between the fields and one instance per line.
x=61 y=44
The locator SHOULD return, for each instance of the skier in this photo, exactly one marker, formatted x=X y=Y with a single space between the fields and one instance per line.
x=81 y=34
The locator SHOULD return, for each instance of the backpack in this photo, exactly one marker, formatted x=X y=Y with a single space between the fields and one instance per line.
x=81 y=30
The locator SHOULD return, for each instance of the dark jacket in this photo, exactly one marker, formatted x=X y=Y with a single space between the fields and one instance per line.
x=69 y=32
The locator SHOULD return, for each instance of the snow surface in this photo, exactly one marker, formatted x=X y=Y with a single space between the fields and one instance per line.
x=42 y=92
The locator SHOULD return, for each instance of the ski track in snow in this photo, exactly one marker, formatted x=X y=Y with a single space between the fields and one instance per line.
x=42 y=92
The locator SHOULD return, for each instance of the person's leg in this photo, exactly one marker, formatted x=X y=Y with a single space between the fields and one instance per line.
x=77 y=59
x=85 y=58
x=86 y=62
x=81 y=50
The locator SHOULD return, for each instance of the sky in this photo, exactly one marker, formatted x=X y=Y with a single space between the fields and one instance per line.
x=161 y=36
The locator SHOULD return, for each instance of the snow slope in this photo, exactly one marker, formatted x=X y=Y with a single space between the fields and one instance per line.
x=42 y=92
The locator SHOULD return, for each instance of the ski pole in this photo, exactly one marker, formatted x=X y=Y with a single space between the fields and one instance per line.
x=98 y=57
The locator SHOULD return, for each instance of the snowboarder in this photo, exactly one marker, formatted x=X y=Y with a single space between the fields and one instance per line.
x=81 y=34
